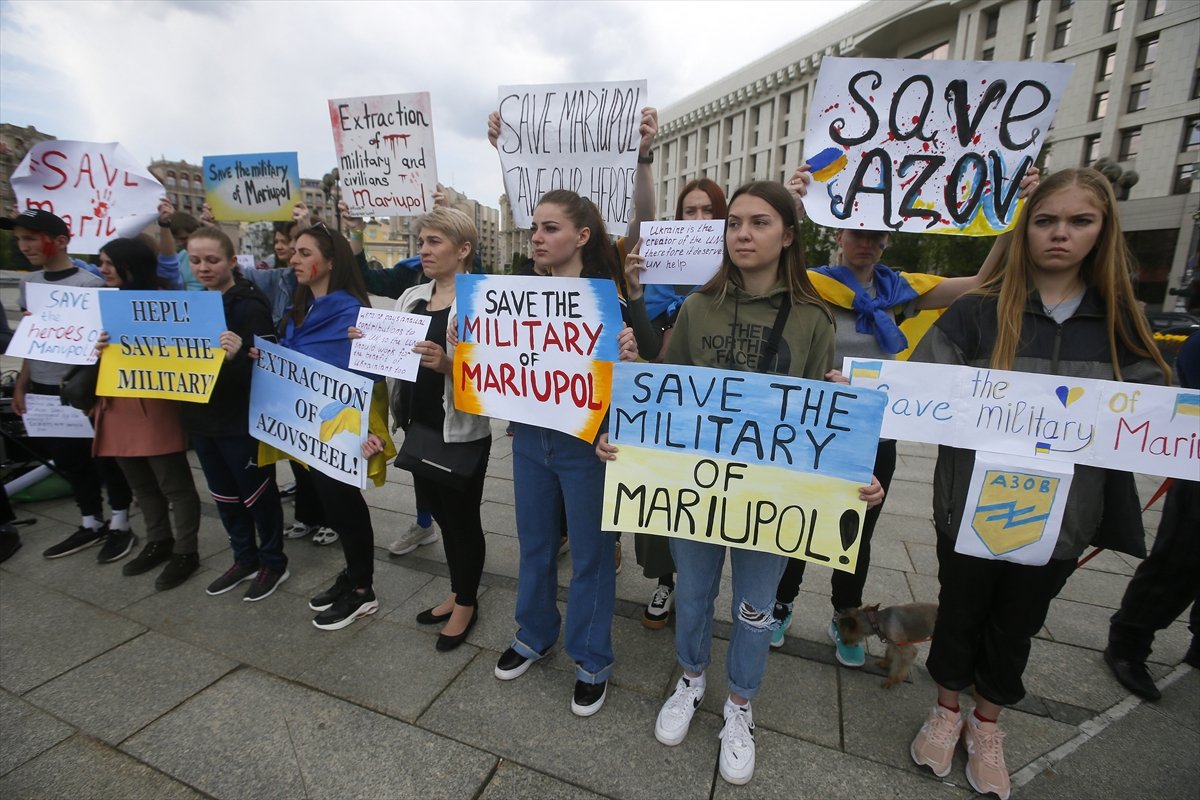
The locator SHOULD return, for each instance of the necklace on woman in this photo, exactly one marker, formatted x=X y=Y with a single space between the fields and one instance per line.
x=1050 y=308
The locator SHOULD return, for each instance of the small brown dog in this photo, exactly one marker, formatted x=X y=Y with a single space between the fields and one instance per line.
x=901 y=627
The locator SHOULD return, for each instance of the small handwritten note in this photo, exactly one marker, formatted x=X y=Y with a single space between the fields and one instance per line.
x=387 y=344
x=685 y=252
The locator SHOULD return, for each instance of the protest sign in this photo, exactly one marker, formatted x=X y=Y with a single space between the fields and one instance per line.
x=100 y=190
x=387 y=344
x=762 y=462
x=45 y=415
x=578 y=136
x=246 y=262
x=313 y=411
x=1150 y=429
x=1014 y=508
x=252 y=186
x=63 y=324
x=683 y=252
x=385 y=154
x=161 y=344
x=926 y=146
x=536 y=350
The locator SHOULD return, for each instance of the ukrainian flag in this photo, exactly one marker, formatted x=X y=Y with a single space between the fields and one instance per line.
x=1041 y=448
x=336 y=418
x=1188 y=404
x=867 y=370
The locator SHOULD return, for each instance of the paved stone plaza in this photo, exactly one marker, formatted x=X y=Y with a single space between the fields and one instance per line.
x=109 y=689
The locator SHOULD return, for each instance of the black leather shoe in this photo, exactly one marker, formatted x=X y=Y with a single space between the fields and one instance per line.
x=178 y=569
x=1133 y=676
x=446 y=643
x=588 y=698
x=427 y=617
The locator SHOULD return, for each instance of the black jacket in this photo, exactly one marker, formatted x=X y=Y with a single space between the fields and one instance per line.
x=247 y=313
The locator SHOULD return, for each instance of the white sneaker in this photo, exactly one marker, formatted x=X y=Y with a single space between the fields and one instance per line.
x=675 y=717
x=413 y=538
x=737 y=744
x=325 y=536
x=298 y=530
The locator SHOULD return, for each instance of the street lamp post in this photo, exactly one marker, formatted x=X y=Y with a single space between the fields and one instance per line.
x=332 y=189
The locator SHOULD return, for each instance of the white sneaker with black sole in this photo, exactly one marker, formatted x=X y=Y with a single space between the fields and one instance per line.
x=675 y=717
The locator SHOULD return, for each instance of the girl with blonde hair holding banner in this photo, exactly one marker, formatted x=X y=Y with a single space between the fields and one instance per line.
x=762 y=282
x=1062 y=305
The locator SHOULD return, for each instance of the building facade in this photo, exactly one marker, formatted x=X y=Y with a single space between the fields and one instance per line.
x=15 y=142
x=1132 y=98
x=393 y=239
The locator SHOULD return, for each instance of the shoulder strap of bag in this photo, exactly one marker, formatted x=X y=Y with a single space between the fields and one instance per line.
x=770 y=351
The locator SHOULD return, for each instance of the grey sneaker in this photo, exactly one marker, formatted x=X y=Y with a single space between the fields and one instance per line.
x=413 y=538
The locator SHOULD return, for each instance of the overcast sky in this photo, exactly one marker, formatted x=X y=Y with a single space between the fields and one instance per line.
x=184 y=79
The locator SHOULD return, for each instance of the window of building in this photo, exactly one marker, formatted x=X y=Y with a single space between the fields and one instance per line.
x=989 y=54
x=1147 y=52
x=1139 y=94
x=991 y=23
x=1030 y=43
x=1091 y=149
x=1099 y=105
x=1196 y=85
x=935 y=53
x=184 y=183
x=1031 y=14
x=1065 y=5
x=1131 y=139
x=1062 y=34
x=1154 y=8
x=1115 y=12
x=1108 y=57
x=1185 y=176
x=1191 y=134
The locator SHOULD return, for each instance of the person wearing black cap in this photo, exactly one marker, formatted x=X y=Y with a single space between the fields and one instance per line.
x=43 y=238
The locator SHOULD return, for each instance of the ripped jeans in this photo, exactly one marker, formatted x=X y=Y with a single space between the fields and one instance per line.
x=755 y=575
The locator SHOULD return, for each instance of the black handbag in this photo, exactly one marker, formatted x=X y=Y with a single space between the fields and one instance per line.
x=78 y=387
x=424 y=453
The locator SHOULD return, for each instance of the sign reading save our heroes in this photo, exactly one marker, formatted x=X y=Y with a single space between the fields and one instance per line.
x=161 y=344
x=385 y=153
x=1133 y=427
x=100 y=190
x=63 y=324
x=252 y=187
x=926 y=146
x=763 y=462
x=310 y=410
x=536 y=350
x=581 y=136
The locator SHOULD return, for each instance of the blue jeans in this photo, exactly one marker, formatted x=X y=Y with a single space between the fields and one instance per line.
x=247 y=498
x=549 y=469
x=697 y=583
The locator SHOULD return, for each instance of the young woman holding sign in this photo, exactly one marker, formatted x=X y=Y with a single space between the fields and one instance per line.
x=329 y=293
x=447 y=240
x=762 y=282
x=246 y=496
x=1062 y=305
x=148 y=441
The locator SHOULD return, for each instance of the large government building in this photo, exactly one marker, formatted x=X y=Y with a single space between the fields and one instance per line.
x=1134 y=97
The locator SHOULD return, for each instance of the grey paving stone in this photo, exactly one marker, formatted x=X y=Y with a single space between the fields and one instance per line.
x=1072 y=675
x=503 y=554
x=889 y=553
x=1086 y=625
x=25 y=731
x=1142 y=755
x=82 y=768
x=888 y=587
x=644 y=658
x=253 y=735
x=498 y=518
x=117 y=693
x=529 y=720
x=924 y=588
x=46 y=633
x=515 y=782
x=908 y=498
x=390 y=669
x=1108 y=561
x=1180 y=702
x=923 y=557
x=1098 y=588
x=788 y=768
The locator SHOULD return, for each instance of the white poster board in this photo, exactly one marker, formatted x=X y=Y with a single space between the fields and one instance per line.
x=926 y=146
x=45 y=415
x=387 y=344
x=683 y=252
x=63 y=324
x=578 y=136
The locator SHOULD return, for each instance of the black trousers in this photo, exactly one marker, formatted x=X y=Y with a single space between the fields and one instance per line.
x=457 y=513
x=1166 y=582
x=307 y=503
x=847 y=587
x=988 y=612
x=345 y=511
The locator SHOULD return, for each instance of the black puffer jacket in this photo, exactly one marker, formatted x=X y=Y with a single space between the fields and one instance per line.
x=247 y=313
x=1078 y=348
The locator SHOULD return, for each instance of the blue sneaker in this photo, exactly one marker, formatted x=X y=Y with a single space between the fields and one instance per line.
x=777 y=635
x=848 y=655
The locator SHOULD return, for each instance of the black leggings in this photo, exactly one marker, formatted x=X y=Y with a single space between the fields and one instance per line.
x=344 y=509
x=457 y=513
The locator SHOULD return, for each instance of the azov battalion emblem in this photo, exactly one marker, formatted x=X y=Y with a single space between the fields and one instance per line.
x=1012 y=510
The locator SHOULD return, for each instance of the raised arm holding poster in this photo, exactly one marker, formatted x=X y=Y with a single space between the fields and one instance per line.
x=310 y=410
x=762 y=462
x=385 y=153
x=161 y=344
x=63 y=324
x=926 y=146
x=252 y=187
x=683 y=252
x=536 y=350
x=580 y=136
x=100 y=190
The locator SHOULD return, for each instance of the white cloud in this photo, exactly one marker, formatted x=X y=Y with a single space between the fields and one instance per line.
x=182 y=79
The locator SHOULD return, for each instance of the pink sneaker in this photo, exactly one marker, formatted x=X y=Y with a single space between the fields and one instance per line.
x=934 y=745
x=985 y=758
